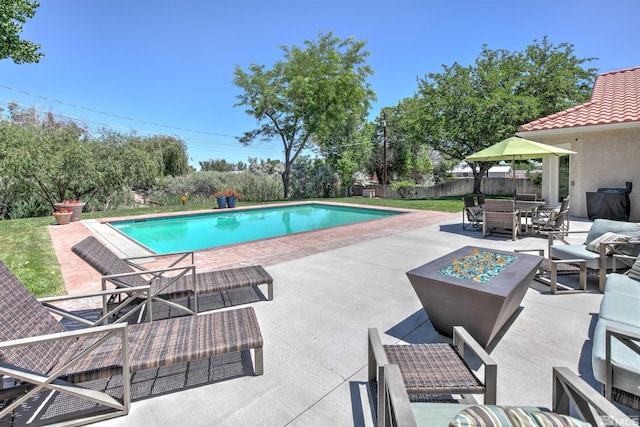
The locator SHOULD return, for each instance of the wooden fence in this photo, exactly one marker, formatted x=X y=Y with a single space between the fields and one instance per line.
x=458 y=187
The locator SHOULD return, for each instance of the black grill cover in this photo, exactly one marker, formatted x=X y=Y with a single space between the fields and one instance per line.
x=610 y=203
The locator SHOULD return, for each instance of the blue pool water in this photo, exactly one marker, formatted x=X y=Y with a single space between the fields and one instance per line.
x=200 y=231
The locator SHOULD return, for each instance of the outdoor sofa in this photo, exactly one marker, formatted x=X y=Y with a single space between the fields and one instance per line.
x=41 y=357
x=604 y=239
x=616 y=338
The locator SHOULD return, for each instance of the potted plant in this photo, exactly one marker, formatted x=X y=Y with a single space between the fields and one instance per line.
x=221 y=198
x=62 y=216
x=232 y=196
x=73 y=205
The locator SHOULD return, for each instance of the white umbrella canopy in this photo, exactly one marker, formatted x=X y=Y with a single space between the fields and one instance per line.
x=516 y=148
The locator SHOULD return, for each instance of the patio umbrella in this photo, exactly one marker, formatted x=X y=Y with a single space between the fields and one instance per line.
x=516 y=148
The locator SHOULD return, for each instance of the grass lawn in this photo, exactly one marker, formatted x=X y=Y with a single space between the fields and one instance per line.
x=26 y=249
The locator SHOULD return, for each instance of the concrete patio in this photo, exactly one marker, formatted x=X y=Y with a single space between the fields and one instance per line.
x=330 y=286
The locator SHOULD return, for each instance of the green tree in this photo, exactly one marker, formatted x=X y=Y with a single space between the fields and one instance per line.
x=219 y=165
x=59 y=160
x=466 y=109
x=13 y=14
x=172 y=154
x=347 y=150
x=302 y=98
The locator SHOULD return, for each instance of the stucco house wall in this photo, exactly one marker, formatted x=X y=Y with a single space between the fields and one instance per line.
x=605 y=133
x=606 y=158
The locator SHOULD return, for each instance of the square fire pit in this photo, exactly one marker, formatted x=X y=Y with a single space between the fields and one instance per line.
x=482 y=308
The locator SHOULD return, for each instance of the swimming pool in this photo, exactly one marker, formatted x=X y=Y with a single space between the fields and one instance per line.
x=213 y=229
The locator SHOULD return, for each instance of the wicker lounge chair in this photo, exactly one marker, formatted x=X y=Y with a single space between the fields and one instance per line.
x=569 y=392
x=436 y=369
x=41 y=356
x=171 y=282
x=500 y=214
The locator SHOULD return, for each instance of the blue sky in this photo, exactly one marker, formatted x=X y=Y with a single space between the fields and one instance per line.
x=166 y=67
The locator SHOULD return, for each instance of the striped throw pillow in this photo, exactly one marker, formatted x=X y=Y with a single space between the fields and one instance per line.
x=511 y=416
x=608 y=237
x=634 y=272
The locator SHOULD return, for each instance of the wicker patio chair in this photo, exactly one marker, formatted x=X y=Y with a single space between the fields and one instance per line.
x=554 y=219
x=481 y=199
x=569 y=393
x=174 y=281
x=40 y=356
x=500 y=214
x=436 y=370
x=472 y=213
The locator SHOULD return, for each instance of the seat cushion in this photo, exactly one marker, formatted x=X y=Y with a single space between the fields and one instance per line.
x=623 y=284
x=626 y=363
x=578 y=252
x=492 y=415
x=620 y=307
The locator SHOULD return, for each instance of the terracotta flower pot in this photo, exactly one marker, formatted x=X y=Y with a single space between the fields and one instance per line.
x=76 y=209
x=63 y=218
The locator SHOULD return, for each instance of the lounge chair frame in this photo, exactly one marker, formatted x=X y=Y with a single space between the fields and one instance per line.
x=40 y=354
x=175 y=280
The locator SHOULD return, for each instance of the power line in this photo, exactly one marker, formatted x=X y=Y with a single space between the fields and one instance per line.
x=114 y=115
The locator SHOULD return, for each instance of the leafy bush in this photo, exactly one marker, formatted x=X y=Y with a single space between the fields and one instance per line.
x=399 y=184
x=200 y=186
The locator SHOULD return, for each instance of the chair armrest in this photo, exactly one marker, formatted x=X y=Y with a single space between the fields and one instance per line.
x=180 y=256
x=113 y=278
x=394 y=407
x=592 y=407
x=461 y=338
x=115 y=327
x=539 y=251
x=377 y=356
x=46 y=300
x=617 y=257
x=134 y=291
x=560 y=235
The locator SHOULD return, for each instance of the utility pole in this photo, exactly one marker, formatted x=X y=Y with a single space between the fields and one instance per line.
x=384 y=150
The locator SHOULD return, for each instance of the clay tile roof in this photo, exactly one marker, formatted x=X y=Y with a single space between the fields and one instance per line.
x=615 y=99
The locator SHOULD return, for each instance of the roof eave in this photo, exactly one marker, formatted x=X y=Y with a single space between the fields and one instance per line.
x=581 y=129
